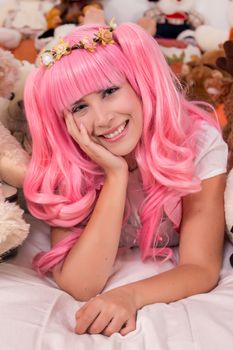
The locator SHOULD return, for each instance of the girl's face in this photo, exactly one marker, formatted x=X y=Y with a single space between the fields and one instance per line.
x=113 y=118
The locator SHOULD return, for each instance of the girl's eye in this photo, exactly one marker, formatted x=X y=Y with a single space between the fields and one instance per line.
x=78 y=108
x=110 y=91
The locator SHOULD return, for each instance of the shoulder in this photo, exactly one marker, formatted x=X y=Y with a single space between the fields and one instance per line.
x=212 y=152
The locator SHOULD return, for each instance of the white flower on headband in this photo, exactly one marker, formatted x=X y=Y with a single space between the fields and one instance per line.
x=112 y=23
x=47 y=58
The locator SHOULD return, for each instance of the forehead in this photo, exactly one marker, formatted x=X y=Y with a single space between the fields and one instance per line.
x=79 y=80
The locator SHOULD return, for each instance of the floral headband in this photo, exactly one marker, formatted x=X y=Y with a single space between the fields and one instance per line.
x=103 y=37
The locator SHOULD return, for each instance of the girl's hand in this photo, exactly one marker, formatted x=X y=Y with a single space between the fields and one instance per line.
x=99 y=154
x=108 y=313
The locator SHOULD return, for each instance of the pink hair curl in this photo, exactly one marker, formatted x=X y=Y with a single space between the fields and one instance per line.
x=62 y=183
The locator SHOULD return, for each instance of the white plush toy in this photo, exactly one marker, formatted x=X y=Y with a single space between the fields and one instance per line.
x=13 y=164
x=209 y=38
x=12 y=113
x=25 y=16
x=177 y=20
x=13 y=228
x=49 y=42
x=9 y=38
x=173 y=17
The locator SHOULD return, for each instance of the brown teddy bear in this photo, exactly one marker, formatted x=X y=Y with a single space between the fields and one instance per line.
x=70 y=11
x=204 y=80
x=226 y=63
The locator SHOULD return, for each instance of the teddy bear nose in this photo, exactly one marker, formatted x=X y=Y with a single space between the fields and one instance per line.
x=12 y=96
x=21 y=104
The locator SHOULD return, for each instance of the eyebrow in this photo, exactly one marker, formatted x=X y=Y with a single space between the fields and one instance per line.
x=82 y=100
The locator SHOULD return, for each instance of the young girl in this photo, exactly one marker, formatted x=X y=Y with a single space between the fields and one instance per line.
x=120 y=158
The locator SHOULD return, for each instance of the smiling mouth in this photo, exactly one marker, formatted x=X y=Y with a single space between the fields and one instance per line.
x=117 y=132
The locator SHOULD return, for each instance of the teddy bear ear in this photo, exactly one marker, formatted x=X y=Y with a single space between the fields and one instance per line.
x=226 y=63
x=231 y=260
x=221 y=63
x=228 y=47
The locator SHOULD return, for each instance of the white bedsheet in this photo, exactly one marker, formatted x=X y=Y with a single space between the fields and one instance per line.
x=36 y=315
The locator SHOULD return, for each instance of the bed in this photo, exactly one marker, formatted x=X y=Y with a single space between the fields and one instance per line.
x=37 y=315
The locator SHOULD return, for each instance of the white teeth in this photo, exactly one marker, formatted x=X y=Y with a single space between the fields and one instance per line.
x=117 y=132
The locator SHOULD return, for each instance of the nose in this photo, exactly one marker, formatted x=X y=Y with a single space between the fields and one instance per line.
x=102 y=119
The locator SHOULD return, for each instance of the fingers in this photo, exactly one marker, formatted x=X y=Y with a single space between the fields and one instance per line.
x=114 y=326
x=129 y=326
x=100 y=323
x=78 y=132
x=107 y=325
x=84 y=133
x=85 y=317
x=72 y=127
x=97 y=318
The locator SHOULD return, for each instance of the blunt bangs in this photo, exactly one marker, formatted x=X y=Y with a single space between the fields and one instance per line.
x=68 y=81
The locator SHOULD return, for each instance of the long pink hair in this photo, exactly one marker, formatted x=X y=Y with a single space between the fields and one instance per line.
x=62 y=183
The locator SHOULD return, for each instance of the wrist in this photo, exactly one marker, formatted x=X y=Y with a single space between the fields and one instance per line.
x=121 y=174
x=130 y=290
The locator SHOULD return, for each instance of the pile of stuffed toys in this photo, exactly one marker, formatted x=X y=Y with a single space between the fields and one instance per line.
x=203 y=55
x=13 y=161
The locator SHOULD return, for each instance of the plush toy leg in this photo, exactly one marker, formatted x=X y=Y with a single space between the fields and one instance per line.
x=13 y=159
x=14 y=229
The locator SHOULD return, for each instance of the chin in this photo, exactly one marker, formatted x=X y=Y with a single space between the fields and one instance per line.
x=124 y=153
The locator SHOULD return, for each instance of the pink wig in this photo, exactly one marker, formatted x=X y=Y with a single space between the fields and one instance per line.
x=62 y=183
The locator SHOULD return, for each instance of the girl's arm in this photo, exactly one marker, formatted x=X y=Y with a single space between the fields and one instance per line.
x=88 y=265
x=201 y=245
x=200 y=250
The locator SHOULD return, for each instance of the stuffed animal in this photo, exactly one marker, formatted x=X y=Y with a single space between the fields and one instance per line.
x=204 y=80
x=9 y=38
x=14 y=230
x=12 y=110
x=25 y=16
x=67 y=14
x=173 y=17
x=227 y=64
x=13 y=158
x=172 y=23
x=46 y=43
x=70 y=11
x=13 y=164
x=209 y=38
x=20 y=23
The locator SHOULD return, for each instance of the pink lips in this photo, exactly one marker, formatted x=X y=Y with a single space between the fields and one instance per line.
x=112 y=130
x=117 y=137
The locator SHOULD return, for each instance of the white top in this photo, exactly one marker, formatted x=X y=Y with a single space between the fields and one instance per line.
x=211 y=160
